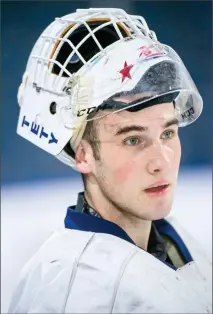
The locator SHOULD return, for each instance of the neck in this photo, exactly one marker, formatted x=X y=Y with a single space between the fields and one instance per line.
x=136 y=228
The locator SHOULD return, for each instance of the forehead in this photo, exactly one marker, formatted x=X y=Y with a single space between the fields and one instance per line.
x=155 y=115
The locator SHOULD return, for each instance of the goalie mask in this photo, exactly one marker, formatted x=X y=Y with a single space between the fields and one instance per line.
x=93 y=63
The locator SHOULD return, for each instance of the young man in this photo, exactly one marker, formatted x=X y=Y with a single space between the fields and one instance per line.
x=104 y=96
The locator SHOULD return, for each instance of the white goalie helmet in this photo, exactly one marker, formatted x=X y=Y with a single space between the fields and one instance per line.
x=86 y=62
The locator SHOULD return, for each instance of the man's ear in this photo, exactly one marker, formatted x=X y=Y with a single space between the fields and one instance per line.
x=83 y=157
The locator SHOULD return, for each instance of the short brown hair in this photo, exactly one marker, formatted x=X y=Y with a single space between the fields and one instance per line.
x=91 y=136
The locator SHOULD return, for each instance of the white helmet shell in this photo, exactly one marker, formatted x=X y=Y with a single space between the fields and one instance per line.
x=65 y=81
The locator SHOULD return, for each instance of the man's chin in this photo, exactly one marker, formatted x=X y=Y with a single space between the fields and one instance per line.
x=154 y=213
x=161 y=207
x=157 y=213
x=161 y=213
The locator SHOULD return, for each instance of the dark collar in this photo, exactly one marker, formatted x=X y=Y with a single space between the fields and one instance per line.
x=84 y=217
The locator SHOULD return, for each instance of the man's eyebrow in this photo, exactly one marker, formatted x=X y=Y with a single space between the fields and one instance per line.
x=129 y=128
x=168 y=123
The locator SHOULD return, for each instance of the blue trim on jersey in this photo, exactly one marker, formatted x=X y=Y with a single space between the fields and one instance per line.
x=81 y=221
x=165 y=228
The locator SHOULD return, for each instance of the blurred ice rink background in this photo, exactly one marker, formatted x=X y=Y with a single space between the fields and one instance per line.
x=36 y=188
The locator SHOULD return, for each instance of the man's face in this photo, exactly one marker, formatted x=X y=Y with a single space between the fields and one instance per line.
x=139 y=151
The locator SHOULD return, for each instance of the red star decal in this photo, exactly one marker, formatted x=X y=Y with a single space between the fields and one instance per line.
x=126 y=71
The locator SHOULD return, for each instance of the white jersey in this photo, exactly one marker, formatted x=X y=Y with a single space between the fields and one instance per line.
x=87 y=272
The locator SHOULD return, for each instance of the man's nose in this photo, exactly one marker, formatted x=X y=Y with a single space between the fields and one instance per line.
x=159 y=161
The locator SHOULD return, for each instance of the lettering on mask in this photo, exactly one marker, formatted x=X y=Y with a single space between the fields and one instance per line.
x=186 y=114
x=39 y=131
x=90 y=110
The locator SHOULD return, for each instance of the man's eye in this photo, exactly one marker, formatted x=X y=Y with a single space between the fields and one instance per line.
x=168 y=134
x=132 y=141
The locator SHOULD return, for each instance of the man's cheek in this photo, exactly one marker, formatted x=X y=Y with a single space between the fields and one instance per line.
x=123 y=170
x=177 y=157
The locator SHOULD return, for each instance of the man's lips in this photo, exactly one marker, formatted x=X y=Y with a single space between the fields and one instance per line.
x=157 y=189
